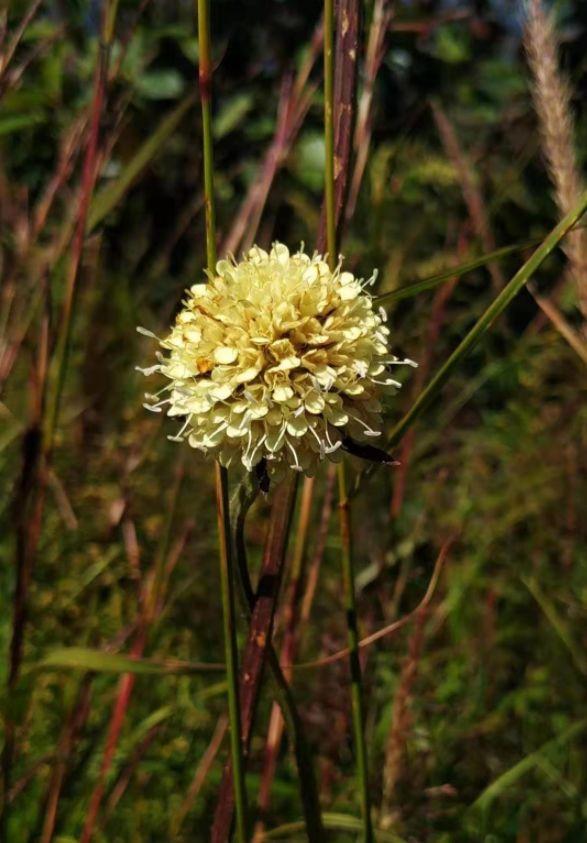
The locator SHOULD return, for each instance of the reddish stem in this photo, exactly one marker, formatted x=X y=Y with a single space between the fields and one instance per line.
x=260 y=630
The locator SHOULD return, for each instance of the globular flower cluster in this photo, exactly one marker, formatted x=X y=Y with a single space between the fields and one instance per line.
x=278 y=358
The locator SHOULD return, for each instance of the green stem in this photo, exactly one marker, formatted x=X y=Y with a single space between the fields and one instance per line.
x=205 y=83
x=350 y=605
x=484 y=323
x=345 y=514
x=61 y=357
x=329 y=131
x=243 y=499
x=481 y=327
x=230 y=648
x=221 y=476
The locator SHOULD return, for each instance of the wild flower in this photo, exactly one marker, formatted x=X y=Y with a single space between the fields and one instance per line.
x=278 y=358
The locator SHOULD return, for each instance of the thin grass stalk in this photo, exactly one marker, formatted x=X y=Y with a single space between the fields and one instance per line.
x=221 y=473
x=431 y=337
x=284 y=698
x=125 y=688
x=38 y=441
x=470 y=188
x=346 y=57
x=230 y=646
x=561 y=324
x=345 y=61
x=344 y=508
x=258 y=640
x=483 y=324
x=149 y=598
x=381 y=17
x=70 y=733
x=401 y=721
x=290 y=613
x=350 y=605
x=294 y=102
x=319 y=547
x=59 y=368
x=391 y=628
x=329 y=197
x=9 y=51
x=200 y=776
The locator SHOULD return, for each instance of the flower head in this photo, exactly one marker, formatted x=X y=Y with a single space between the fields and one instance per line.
x=278 y=358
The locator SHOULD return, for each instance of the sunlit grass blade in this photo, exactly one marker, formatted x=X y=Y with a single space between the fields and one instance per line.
x=347 y=567
x=226 y=562
x=407 y=291
x=332 y=822
x=484 y=323
x=108 y=197
x=243 y=499
x=511 y=776
x=97 y=661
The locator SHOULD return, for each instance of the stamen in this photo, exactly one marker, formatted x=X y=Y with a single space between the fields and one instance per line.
x=297 y=466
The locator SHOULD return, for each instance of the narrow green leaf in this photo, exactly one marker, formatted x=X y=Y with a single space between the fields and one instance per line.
x=409 y=290
x=231 y=114
x=557 y=623
x=18 y=122
x=484 y=323
x=82 y=658
x=107 y=198
x=335 y=822
x=511 y=776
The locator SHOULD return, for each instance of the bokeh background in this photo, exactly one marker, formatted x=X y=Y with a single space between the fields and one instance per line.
x=476 y=709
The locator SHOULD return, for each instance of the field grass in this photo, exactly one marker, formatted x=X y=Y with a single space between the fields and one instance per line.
x=469 y=554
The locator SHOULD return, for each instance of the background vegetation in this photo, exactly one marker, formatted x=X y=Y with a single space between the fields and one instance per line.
x=476 y=708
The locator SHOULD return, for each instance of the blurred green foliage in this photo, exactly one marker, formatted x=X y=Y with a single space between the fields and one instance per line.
x=494 y=746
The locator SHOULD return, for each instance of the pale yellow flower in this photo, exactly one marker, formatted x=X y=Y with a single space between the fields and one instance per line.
x=278 y=358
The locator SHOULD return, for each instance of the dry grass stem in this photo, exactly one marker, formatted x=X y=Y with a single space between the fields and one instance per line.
x=552 y=99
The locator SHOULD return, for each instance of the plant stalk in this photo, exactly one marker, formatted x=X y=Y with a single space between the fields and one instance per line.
x=259 y=638
x=230 y=647
x=350 y=604
x=284 y=698
x=495 y=309
x=221 y=474
x=344 y=506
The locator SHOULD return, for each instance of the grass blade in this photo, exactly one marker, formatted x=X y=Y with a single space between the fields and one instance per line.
x=484 y=323
x=334 y=822
x=407 y=291
x=84 y=658
x=108 y=197
x=511 y=776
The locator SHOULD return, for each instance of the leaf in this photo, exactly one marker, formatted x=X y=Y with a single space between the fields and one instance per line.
x=165 y=84
x=428 y=283
x=511 y=776
x=336 y=822
x=231 y=114
x=82 y=658
x=18 y=122
x=557 y=623
x=107 y=198
x=484 y=323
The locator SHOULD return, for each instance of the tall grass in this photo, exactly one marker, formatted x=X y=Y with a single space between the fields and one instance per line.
x=221 y=473
x=116 y=686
